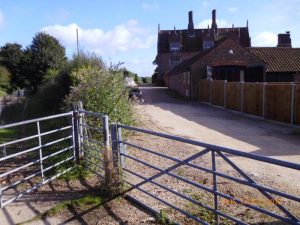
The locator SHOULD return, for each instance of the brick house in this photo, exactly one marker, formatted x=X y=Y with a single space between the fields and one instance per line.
x=176 y=46
x=227 y=60
x=186 y=56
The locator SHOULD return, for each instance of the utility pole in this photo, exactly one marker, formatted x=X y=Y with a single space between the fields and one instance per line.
x=77 y=41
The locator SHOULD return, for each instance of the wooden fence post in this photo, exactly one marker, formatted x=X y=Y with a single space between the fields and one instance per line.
x=225 y=92
x=293 y=104
x=264 y=100
x=199 y=90
x=242 y=95
x=210 y=92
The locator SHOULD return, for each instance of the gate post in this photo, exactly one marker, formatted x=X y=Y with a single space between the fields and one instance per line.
x=115 y=160
x=78 y=133
x=107 y=155
x=76 y=136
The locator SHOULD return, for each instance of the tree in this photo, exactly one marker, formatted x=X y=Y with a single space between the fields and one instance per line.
x=46 y=53
x=4 y=79
x=10 y=56
x=136 y=78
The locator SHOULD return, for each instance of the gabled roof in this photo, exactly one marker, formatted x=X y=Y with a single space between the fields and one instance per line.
x=278 y=59
x=242 y=58
x=195 y=43
x=185 y=65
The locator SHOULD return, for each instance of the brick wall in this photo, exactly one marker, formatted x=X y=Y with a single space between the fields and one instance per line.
x=180 y=83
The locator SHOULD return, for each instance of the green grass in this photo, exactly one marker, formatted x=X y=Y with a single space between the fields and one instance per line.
x=2 y=93
x=163 y=218
x=88 y=201
x=76 y=173
x=7 y=134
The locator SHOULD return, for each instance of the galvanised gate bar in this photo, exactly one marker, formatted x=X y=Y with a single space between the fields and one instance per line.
x=215 y=151
x=48 y=148
x=34 y=157
x=83 y=136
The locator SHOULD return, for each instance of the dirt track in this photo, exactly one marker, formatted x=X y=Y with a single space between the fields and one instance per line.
x=228 y=129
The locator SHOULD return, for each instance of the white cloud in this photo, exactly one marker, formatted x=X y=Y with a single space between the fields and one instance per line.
x=124 y=37
x=150 y=7
x=265 y=39
x=1 y=19
x=206 y=22
x=233 y=9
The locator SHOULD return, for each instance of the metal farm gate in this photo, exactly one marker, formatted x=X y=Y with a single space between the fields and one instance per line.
x=34 y=152
x=46 y=148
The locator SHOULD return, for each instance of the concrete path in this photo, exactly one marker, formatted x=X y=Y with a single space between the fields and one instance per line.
x=225 y=128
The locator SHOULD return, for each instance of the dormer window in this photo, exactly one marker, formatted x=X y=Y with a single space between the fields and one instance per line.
x=175 y=47
x=208 y=44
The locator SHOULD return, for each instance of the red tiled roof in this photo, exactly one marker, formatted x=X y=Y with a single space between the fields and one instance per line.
x=278 y=59
x=185 y=65
x=195 y=43
x=240 y=59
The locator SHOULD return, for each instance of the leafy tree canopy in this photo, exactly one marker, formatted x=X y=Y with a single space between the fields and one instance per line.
x=10 y=56
x=46 y=53
x=4 y=79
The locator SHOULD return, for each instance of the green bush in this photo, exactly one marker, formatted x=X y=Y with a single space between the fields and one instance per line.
x=46 y=101
x=85 y=60
x=4 y=79
x=147 y=80
x=49 y=98
x=102 y=90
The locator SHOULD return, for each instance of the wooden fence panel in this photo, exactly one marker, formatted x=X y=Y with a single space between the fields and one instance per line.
x=233 y=95
x=253 y=98
x=204 y=90
x=217 y=92
x=278 y=98
x=297 y=104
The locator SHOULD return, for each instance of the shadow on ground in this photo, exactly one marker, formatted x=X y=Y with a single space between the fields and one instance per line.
x=270 y=138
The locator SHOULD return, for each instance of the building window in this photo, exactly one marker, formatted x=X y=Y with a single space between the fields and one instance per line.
x=175 y=47
x=208 y=44
x=209 y=72
x=174 y=60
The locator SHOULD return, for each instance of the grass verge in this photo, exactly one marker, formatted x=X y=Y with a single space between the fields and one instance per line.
x=88 y=201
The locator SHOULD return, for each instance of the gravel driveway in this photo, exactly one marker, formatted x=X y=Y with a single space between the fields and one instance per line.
x=170 y=114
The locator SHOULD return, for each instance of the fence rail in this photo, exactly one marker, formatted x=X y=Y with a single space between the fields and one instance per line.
x=214 y=151
x=33 y=157
x=88 y=137
x=273 y=101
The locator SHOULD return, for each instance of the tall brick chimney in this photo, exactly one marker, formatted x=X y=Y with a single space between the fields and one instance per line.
x=214 y=20
x=284 y=40
x=191 y=24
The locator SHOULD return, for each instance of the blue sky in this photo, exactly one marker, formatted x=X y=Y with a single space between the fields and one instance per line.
x=126 y=31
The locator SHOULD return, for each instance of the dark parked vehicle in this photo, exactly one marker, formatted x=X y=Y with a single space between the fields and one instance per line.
x=135 y=93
